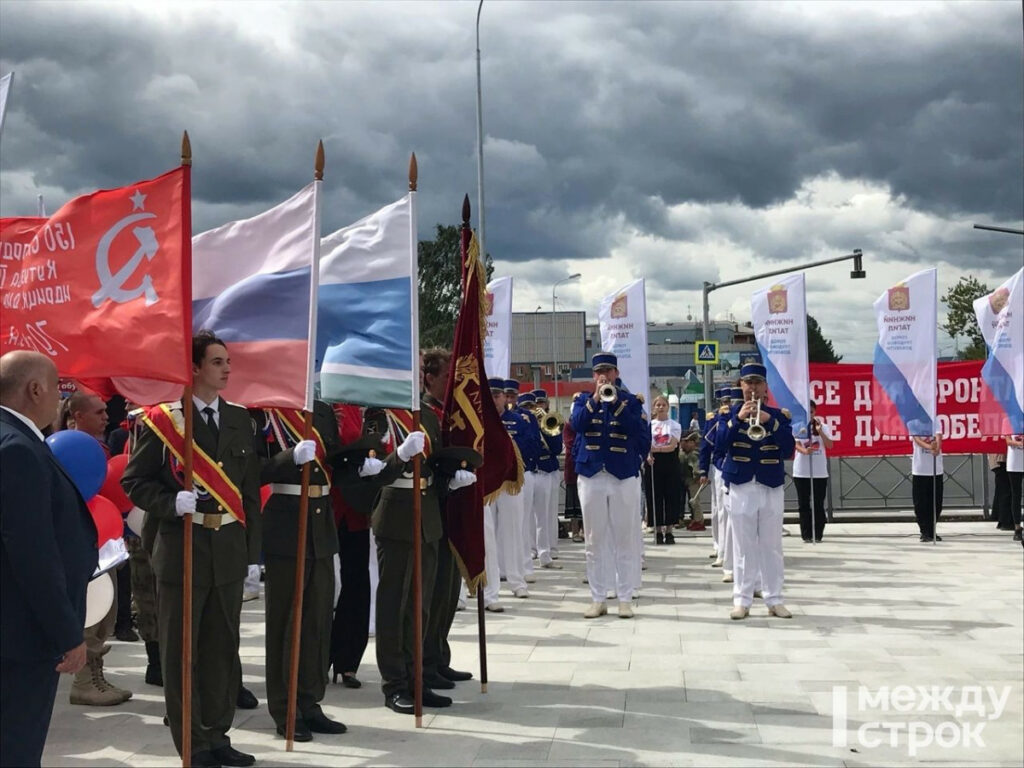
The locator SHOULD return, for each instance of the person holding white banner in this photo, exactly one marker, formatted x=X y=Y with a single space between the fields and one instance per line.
x=615 y=441
x=756 y=439
x=926 y=489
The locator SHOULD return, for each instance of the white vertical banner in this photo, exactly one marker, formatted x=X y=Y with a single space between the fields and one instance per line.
x=5 y=89
x=780 y=328
x=623 y=322
x=1001 y=319
x=498 y=341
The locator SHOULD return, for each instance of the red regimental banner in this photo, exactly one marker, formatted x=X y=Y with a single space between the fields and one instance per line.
x=104 y=285
x=843 y=394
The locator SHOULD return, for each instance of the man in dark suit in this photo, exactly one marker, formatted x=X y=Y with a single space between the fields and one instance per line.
x=225 y=509
x=47 y=557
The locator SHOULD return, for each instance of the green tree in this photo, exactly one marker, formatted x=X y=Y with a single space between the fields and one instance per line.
x=819 y=349
x=440 y=275
x=960 y=319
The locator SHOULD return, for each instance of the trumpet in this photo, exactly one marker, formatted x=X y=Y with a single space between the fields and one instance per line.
x=607 y=393
x=551 y=423
x=755 y=431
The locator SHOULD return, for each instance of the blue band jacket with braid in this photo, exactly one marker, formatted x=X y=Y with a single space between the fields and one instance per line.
x=552 y=447
x=707 y=445
x=611 y=436
x=524 y=429
x=747 y=459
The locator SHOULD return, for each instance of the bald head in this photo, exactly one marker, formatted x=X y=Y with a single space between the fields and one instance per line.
x=28 y=385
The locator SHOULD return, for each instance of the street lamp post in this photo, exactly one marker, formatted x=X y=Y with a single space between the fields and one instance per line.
x=554 y=342
x=479 y=140
x=856 y=273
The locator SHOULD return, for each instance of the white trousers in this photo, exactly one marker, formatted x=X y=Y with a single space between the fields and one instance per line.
x=611 y=518
x=716 y=533
x=374 y=580
x=529 y=539
x=509 y=514
x=545 y=512
x=724 y=530
x=755 y=516
x=491 y=553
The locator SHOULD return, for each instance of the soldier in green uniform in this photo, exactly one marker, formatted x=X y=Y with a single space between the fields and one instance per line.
x=689 y=459
x=391 y=522
x=282 y=454
x=225 y=508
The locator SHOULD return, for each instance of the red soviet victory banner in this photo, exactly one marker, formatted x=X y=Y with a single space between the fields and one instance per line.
x=104 y=286
x=843 y=394
x=470 y=420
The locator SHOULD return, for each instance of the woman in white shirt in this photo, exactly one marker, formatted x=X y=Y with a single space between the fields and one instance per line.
x=811 y=461
x=1015 y=471
x=926 y=468
x=663 y=482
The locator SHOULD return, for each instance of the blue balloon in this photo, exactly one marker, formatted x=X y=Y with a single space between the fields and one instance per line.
x=82 y=458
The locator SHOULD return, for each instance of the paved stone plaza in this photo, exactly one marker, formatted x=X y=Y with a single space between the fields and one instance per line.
x=680 y=684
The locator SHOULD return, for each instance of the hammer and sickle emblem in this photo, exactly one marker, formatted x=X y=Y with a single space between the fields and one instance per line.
x=112 y=285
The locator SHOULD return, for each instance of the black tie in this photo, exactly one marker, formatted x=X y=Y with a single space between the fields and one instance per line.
x=211 y=422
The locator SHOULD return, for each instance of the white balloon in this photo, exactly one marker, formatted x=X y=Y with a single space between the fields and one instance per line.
x=98 y=599
x=135 y=519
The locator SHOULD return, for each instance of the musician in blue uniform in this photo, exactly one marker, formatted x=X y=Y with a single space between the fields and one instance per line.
x=709 y=475
x=510 y=510
x=754 y=470
x=614 y=440
x=531 y=447
x=545 y=494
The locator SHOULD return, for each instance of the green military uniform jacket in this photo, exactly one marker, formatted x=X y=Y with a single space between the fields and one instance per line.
x=219 y=556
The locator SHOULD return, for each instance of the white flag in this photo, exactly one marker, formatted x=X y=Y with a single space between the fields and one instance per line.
x=623 y=322
x=1001 y=319
x=5 y=88
x=780 y=327
x=498 y=342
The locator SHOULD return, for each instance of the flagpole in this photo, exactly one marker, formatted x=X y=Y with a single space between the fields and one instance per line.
x=417 y=518
x=300 y=546
x=481 y=621
x=186 y=580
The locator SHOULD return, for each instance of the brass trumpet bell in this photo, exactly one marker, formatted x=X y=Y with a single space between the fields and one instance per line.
x=552 y=423
x=755 y=431
x=607 y=393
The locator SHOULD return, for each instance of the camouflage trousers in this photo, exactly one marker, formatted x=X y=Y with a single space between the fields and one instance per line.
x=143 y=589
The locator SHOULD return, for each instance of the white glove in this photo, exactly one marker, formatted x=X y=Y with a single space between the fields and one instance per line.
x=304 y=452
x=463 y=478
x=371 y=467
x=185 y=503
x=411 y=446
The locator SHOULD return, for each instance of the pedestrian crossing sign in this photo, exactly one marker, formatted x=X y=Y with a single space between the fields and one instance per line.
x=706 y=352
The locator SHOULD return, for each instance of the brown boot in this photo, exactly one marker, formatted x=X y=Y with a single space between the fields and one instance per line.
x=89 y=687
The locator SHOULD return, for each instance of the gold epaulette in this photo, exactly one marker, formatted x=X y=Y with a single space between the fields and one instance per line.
x=640 y=398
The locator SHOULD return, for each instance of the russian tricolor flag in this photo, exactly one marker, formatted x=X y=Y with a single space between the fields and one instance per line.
x=368 y=329
x=1001 y=319
x=903 y=395
x=253 y=285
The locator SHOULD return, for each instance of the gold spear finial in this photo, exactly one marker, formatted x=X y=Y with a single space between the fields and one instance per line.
x=186 y=149
x=414 y=172
x=318 y=163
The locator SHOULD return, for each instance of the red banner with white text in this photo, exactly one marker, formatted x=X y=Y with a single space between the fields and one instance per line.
x=843 y=395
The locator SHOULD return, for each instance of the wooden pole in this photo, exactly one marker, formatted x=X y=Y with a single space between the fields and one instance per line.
x=300 y=546
x=186 y=576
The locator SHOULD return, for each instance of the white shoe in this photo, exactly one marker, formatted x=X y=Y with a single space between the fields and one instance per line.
x=553 y=566
x=739 y=612
x=461 y=606
x=250 y=595
x=718 y=563
x=595 y=610
x=495 y=607
x=785 y=532
x=611 y=594
x=625 y=611
x=520 y=593
x=727 y=577
x=530 y=578
x=780 y=610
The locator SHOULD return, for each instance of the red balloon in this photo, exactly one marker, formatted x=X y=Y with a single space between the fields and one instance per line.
x=111 y=487
x=109 y=524
x=264 y=495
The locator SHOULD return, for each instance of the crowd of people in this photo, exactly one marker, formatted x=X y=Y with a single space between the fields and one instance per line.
x=625 y=473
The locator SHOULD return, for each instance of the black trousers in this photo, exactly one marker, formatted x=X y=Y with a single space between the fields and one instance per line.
x=1001 y=499
x=803 y=495
x=27 y=692
x=124 y=597
x=665 y=478
x=1016 y=486
x=927 y=491
x=351 y=630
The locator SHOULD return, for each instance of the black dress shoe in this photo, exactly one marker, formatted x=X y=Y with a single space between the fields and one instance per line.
x=126 y=635
x=321 y=723
x=431 y=699
x=246 y=699
x=203 y=759
x=669 y=538
x=436 y=681
x=401 y=703
x=302 y=732
x=228 y=755
x=659 y=538
x=350 y=681
x=1017 y=534
x=455 y=675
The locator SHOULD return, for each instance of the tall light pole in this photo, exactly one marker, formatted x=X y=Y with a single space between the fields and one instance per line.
x=554 y=340
x=479 y=141
x=855 y=273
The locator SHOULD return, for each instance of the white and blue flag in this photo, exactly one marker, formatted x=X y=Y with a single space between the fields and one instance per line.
x=1001 y=319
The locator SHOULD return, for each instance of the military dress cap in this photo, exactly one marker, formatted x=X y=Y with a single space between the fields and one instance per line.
x=526 y=399
x=496 y=384
x=512 y=386
x=604 y=360
x=539 y=394
x=451 y=458
x=721 y=392
x=736 y=393
x=753 y=371
x=693 y=437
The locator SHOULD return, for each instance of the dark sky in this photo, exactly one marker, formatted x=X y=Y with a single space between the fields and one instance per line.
x=680 y=142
